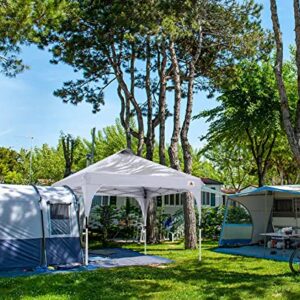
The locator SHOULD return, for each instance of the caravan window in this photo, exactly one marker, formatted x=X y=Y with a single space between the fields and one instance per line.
x=60 y=219
x=283 y=208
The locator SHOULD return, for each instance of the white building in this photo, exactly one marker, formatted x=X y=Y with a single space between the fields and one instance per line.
x=170 y=203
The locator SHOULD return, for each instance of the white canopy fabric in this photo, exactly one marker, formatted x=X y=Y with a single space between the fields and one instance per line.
x=125 y=174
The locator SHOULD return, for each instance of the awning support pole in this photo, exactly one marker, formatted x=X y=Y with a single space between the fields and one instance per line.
x=86 y=242
x=145 y=240
x=200 y=243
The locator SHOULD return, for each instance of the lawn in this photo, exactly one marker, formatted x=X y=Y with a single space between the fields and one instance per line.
x=218 y=276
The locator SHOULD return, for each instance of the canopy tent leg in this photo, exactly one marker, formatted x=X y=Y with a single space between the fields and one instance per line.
x=86 y=262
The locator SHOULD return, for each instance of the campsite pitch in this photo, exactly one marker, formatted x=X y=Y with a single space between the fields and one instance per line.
x=218 y=276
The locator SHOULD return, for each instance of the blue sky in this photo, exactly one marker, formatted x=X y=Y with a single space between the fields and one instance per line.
x=29 y=109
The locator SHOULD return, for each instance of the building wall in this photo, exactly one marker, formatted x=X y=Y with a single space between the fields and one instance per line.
x=170 y=203
x=209 y=200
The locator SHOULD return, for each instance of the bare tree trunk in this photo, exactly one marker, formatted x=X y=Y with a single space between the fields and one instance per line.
x=149 y=140
x=151 y=214
x=173 y=149
x=261 y=151
x=162 y=105
x=123 y=117
x=69 y=145
x=129 y=97
x=188 y=203
x=292 y=135
x=151 y=223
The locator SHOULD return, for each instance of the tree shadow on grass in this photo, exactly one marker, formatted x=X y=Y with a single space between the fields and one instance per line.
x=209 y=279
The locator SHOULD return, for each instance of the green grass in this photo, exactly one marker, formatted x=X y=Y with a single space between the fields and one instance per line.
x=218 y=276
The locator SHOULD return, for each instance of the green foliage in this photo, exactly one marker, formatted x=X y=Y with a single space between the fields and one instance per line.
x=238 y=215
x=47 y=164
x=211 y=221
x=115 y=222
x=23 y=22
x=232 y=164
x=10 y=166
x=129 y=220
x=248 y=116
x=106 y=216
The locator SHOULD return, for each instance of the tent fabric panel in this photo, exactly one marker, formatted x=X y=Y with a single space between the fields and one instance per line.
x=25 y=253
x=63 y=250
x=260 y=211
x=19 y=219
x=22 y=193
x=55 y=194
x=233 y=234
x=59 y=196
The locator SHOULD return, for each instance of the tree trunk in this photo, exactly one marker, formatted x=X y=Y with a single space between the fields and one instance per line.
x=293 y=138
x=173 y=149
x=151 y=223
x=188 y=203
x=162 y=107
x=124 y=118
x=129 y=97
x=260 y=175
x=68 y=144
x=149 y=140
x=190 y=241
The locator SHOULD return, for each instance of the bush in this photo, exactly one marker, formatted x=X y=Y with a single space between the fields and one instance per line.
x=211 y=221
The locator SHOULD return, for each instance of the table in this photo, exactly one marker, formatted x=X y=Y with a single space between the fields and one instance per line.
x=280 y=236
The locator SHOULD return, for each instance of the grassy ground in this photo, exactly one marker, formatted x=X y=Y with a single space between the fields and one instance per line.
x=218 y=276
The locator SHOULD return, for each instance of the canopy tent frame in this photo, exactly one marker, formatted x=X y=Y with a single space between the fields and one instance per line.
x=125 y=174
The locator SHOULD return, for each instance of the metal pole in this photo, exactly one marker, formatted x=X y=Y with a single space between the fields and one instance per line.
x=200 y=243
x=86 y=242
x=145 y=240
x=93 y=145
x=200 y=233
x=30 y=161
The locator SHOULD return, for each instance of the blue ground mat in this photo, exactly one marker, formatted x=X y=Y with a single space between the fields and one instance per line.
x=258 y=252
x=100 y=258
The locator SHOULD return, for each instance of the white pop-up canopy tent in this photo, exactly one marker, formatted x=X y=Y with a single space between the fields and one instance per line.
x=125 y=174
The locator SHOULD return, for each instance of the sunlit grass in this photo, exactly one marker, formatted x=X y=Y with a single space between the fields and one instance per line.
x=218 y=276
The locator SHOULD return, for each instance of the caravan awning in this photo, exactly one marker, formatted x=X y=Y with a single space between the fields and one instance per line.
x=288 y=189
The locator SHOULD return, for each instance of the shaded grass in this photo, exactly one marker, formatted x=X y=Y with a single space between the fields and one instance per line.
x=218 y=276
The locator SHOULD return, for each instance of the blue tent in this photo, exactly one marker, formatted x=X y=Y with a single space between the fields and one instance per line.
x=38 y=227
x=267 y=207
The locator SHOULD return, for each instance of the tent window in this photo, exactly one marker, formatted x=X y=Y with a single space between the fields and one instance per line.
x=177 y=199
x=60 y=219
x=283 y=208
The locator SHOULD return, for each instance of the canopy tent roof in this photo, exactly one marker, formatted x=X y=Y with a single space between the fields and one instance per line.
x=286 y=189
x=125 y=174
